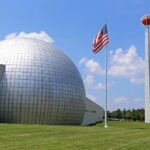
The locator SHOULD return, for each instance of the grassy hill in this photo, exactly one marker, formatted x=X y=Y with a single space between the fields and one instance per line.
x=119 y=136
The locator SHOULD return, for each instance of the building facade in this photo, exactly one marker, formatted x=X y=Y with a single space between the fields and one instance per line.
x=39 y=84
x=93 y=113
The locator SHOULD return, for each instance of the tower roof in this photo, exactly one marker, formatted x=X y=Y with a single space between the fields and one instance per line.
x=146 y=20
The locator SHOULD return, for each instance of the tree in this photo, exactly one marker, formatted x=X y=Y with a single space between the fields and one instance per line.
x=134 y=114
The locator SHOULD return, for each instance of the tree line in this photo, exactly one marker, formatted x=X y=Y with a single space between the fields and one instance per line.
x=127 y=114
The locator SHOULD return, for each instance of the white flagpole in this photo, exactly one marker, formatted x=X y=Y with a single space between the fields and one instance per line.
x=106 y=126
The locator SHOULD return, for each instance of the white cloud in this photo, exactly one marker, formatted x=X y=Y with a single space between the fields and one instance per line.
x=121 y=100
x=89 y=80
x=137 y=80
x=138 y=100
x=11 y=35
x=91 y=97
x=93 y=69
x=127 y=64
x=82 y=60
x=91 y=83
x=100 y=86
x=110 y=52
x=41 y=36
x=124 y=102
x=92 y=66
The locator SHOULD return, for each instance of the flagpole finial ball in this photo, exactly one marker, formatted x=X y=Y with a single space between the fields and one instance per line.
x=146 y=20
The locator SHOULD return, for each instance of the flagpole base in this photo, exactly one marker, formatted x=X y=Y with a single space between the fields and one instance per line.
x=105 y=126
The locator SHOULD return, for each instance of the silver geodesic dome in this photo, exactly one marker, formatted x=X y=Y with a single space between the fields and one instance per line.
x=39 y=84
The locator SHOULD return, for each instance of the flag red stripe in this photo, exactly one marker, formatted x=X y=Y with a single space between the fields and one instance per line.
x=97 y=38
x=103 y=41
x=105 y=38
x=100 y=40
x=99 y=48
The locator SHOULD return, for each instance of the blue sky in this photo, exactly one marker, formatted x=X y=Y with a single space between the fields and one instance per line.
x=73 y=24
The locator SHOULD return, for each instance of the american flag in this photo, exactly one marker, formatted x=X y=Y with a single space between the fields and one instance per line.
x=100 y=40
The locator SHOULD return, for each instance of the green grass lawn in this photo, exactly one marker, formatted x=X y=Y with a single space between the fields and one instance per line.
x=119 y=136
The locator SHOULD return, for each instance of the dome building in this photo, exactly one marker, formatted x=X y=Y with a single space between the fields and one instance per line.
x=39 y=84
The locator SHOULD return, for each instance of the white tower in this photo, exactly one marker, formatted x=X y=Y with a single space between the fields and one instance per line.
x=146 y=22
